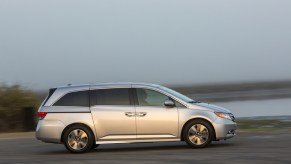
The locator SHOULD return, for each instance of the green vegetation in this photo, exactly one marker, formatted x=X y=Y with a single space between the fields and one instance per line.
x=264 y=125
x=13 y=97
x=13 y=100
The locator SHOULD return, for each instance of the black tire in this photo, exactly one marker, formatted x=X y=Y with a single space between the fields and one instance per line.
x=203 y=132
x=78 y=139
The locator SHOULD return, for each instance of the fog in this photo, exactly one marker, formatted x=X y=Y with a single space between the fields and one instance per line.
x=49 y=43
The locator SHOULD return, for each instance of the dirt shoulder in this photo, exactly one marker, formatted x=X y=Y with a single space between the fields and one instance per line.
x=17 y=135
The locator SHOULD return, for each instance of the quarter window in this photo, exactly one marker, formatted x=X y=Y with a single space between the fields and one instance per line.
x=148 y=97
x=80 y=98
x=118 y=96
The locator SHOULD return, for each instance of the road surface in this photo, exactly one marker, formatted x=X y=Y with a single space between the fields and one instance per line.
x=246 y=147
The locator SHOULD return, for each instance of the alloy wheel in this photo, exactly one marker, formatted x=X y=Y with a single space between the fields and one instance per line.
x=198 y=134
x=77 y=139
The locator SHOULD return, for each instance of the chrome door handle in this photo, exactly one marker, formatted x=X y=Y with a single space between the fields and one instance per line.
x=129 y=114
x=141 y=114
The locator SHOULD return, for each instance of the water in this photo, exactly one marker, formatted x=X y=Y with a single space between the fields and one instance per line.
x=251 y=108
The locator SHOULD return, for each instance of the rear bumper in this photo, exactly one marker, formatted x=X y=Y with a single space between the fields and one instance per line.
x=224 y=128
x=49 y=131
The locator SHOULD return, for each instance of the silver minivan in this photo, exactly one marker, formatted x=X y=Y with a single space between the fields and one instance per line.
x=85 y=116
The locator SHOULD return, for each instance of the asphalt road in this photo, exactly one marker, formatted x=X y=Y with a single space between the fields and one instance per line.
x=266 y=148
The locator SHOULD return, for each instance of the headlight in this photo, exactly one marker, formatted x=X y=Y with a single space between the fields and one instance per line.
x=223 y=115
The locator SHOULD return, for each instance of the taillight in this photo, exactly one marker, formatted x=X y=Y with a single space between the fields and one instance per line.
x=41 y=115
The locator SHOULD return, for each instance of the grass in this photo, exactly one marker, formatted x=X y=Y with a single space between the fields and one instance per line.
x=264 y=125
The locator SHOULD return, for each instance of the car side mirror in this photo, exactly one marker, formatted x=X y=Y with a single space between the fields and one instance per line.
x=169 y=103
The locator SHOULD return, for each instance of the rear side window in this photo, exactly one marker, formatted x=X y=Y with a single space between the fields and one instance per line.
x=119 y=96
x=80 y=98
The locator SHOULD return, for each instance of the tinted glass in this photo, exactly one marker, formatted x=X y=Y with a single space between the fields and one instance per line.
x=118 y=96
x=148 y=97
x=80 y=98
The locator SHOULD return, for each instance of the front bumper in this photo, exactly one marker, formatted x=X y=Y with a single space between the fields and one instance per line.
x=224 y=128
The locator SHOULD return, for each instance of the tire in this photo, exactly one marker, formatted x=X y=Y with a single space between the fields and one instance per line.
x=78 y=139
x=198 y=133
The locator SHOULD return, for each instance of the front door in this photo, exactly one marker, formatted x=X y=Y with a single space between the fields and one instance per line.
x=153 y=119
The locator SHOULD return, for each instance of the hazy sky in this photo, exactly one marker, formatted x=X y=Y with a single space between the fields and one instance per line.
x=46 y=43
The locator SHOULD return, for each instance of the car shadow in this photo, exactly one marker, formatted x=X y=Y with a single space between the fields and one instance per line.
x=142 y=147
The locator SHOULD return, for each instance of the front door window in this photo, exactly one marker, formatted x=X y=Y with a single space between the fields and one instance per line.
x=148 y=97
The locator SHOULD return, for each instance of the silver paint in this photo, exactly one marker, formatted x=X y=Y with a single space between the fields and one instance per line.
x=128 y=124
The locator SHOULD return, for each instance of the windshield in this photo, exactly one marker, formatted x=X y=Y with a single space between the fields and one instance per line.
x=177 y=94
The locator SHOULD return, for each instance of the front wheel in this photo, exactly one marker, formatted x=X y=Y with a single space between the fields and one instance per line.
x=78 y=139
x=198 y=133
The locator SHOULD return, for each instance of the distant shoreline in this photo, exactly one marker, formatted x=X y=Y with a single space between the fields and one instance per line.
x=237 y=91
x=229 y=87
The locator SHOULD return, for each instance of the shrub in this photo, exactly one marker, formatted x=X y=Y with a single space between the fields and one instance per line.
x=13 y=99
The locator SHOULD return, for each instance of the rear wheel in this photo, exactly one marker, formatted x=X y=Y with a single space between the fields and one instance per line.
x=198 y=133
x=78 y=139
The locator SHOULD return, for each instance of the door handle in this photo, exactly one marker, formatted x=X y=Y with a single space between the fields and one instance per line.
x=141 y=114
x=129 y=114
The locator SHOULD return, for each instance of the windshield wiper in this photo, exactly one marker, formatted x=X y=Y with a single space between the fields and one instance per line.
x=194 y=101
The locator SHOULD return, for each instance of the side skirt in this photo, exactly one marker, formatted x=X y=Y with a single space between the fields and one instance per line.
x=138 y=141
